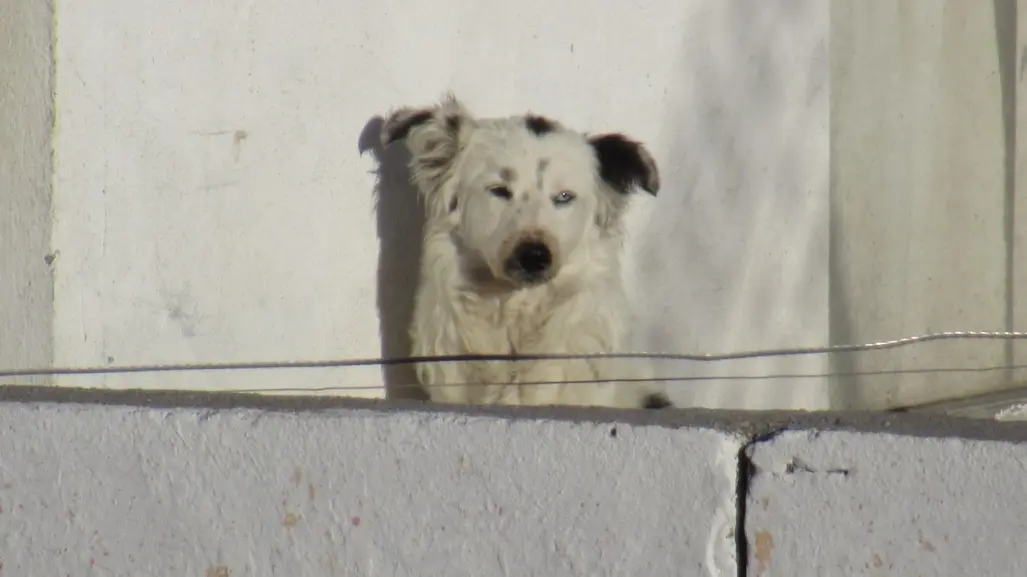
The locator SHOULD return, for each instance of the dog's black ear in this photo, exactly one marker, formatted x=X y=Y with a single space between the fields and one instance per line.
x=449 y=117
x=625 y=163
x=402 y=121
x=434 y=136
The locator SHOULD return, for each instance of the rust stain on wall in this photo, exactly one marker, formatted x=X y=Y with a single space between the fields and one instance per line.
x=764 y=547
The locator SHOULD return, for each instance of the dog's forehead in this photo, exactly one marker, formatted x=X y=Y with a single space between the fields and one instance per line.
x=508 y=143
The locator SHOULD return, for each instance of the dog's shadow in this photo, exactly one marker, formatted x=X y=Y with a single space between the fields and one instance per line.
x=400 y=223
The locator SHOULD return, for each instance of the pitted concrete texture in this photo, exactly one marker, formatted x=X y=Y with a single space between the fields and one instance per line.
x=127 y=490
x=837 y=503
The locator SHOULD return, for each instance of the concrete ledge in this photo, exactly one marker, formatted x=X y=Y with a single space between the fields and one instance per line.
x=747 y=424
x=173 y=483
x=834 y=503
x=130 y=490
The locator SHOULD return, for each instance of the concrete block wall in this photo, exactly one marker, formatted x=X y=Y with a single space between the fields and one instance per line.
x=200 y=185
x=180 y=484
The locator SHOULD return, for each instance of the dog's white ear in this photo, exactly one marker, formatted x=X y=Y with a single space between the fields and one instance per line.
x=625 y=163
x=434 y=136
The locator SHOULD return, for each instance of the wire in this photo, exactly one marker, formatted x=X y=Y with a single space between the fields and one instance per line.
x=705 y=357
x=649 y=380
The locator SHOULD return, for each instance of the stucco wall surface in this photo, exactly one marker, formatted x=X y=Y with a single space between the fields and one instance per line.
x=120 y=491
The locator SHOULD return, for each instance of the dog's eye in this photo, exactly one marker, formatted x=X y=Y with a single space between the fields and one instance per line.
x=501 y=192
x=564 y=197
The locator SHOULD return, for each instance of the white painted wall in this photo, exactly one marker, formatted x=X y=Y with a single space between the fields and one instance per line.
x=924 y=193
x=113 y=489
x=214 y=195
x=212 y=203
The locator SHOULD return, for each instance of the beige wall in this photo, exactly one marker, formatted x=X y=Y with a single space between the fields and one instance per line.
x=1019 y=198
x=922 y=127
x=26 y=119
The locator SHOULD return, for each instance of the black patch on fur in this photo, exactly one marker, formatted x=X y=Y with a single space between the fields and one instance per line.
x=453 y=124
x=621 y=162
x=656 y=401
x=613 y=432
x=434 y=163
x=453 y=204
x=539 y=125
x=400 y=131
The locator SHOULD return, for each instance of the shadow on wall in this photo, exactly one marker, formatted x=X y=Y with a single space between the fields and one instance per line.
x=400 y=223
x=746 y=222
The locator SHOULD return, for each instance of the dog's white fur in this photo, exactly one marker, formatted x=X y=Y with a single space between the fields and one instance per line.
x=490 y=185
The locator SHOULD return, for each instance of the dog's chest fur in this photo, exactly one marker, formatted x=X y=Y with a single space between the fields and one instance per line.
x=514 y=322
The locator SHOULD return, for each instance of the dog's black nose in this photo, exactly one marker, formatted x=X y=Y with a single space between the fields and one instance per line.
x=533 y=258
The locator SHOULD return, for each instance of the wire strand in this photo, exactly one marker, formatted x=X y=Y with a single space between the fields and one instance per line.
x=702 y=357
x=776 y=376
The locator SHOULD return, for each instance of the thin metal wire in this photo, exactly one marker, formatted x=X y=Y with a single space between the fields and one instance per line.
x=703 y=357
x=775 y=376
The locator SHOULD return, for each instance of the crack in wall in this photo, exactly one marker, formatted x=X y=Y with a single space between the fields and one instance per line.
x=746 y=472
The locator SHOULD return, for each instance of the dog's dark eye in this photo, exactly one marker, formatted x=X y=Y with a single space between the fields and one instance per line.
x=564 y=197
x=501 y=192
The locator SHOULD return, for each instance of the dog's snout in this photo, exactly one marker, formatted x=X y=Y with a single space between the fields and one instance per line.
x=531 y=261
x=534 y=257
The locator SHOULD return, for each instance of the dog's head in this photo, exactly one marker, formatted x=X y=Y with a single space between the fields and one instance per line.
x=523 y=193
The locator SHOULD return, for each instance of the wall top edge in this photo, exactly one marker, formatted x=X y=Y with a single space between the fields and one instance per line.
x=744 y=424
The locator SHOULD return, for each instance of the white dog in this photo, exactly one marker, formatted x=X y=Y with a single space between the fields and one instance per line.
x=521 y=257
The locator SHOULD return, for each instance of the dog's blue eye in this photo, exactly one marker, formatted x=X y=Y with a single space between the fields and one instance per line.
x=501 y=192
x=563 y=198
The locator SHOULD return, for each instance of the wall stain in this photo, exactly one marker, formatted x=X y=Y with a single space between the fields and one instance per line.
x=237 y=139
x=926 y=545
x=219 y=571
x=764 y=547
x=291 y=519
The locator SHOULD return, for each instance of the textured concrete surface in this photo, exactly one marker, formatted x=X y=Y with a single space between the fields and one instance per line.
x=26 y=122
x=837 y=503
x=120 y=490
x=173 y=483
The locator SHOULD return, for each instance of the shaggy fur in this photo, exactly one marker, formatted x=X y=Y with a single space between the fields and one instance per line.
x=521 y=256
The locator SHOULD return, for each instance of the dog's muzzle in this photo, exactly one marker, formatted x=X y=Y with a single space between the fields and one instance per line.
x=531 y=262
